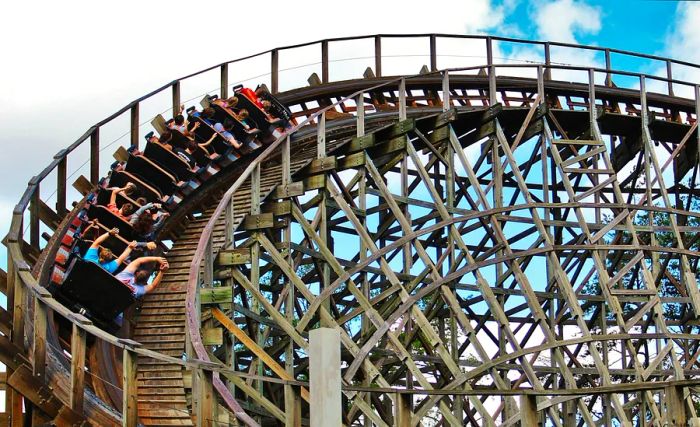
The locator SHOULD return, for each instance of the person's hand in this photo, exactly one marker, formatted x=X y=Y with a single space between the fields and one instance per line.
x=196 y=125
x=133 y=244
x=151 y=246
x=164 y=266
x=157 y=205
x=114 y=231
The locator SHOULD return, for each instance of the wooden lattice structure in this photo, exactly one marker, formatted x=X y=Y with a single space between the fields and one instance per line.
x=493 y=249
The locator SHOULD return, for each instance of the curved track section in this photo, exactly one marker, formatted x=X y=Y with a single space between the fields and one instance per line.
x=490 y=250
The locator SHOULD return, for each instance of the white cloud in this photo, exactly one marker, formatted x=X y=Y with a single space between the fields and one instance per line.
x=682 y=43
x=562 y=19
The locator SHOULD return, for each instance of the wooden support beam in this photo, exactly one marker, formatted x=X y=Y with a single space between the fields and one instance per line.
x=26 y=384
x=529 y=417
x=206 y=400
x=218 y=295
x=324 y=369
x=675 y=406
x=402 y=410
x=77 y=365
x=39 y=343
x=255 y=348
x=129 y=388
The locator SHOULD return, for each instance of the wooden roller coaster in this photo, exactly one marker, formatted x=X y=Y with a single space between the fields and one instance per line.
x=493 y=245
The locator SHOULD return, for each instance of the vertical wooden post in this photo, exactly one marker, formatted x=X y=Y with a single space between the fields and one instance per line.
x=34 y=213
x=323 y=229
x=547 y=61
x=129 y=388
x=362 y=202
x=324 y=61
x=528 y=411
x=446 y=101
x=675 y=406
x=206 y=402
x=492 y=70
x=176 y=97
x=209 y=263
x=291 y=395
x=402 y=410
x=77 y=365
x=95 y=156
x=274 y=71
x=608 y=67
x=325 y=383
x=224 y=81
x=61 y=177
x=377 y=56
x=135 y=125
x=402 y=99
x=15 y=296
x=39 y=344
x=433 y=52
x=255 y=261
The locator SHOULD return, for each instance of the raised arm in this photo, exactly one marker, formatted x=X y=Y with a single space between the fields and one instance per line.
x=136 y=264
x=104 y=237
x=126 y=253
x=141 y=210
x=161 y=270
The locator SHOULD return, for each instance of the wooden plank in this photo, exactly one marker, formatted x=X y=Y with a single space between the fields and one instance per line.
x=280 y=208
x=259 y=221
x=257 y=350
x=351 y=161
x=286 y=191
x=218 y=295
x=212 y=336
x=77 y=368
x=130 y=389
x=230 y=257
x=315 y=182
x=319 y=166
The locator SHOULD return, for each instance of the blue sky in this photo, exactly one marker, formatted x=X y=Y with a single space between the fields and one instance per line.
x=82 y=60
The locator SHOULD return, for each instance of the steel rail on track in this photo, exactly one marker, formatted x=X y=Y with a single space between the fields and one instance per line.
x=22 y=280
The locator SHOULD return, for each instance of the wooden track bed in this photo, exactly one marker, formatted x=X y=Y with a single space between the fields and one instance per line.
x=161 y=325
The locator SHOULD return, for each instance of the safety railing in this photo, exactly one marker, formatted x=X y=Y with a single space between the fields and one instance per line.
x=23 y=286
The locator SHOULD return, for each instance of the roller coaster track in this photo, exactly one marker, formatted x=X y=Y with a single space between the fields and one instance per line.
x=417 y=133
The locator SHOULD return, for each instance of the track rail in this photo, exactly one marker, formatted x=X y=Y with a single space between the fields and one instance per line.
x=25 y=290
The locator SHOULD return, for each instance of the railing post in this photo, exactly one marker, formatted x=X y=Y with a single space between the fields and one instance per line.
x=129 y=388
x=528 y=411
x=446 y=101
x=77 y=364
x=206 y=402
x=61 y=177
x=492 y=70
x=608 y=67
x=274 y=71
x=176 y=98
x=34 y=213
x=324 y=61
x=675 y=406
x=95 y=156
x=224 y=81
x=433 y=52
x=324 y=367
x=135 y=125
x=547 y=61
x=360 y=101
x=378 y=56
x=402 y=101
x=669 y=75
x=39 y=344
x=402 y=410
